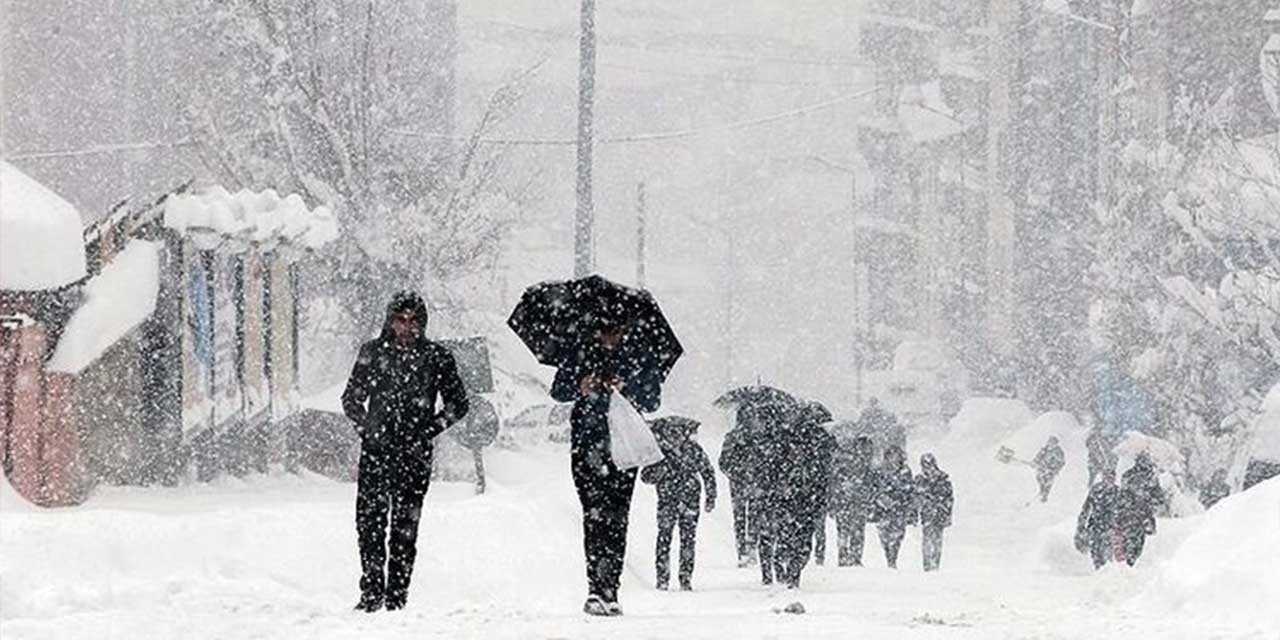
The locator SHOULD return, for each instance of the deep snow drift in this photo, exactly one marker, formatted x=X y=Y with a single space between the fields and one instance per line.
x=275 y=557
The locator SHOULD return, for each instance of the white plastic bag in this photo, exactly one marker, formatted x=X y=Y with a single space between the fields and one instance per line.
x=631 y=442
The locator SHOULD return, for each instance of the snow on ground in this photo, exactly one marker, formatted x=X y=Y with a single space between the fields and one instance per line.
x=1229 y=566
x=275 y=557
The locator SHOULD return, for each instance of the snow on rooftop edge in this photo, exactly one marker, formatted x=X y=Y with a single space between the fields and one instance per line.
x=41 y=235
x=116 y=301
x=261 y=216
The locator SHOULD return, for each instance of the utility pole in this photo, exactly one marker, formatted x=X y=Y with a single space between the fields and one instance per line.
x=640 y=234
x=583 y=260
x=858 y=337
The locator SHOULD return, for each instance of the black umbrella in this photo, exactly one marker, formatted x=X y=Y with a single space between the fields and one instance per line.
x=554 y=318
x=755 y=395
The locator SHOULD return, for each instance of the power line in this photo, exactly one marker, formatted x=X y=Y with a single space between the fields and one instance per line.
x=98 y=150
x=660 y=135
x=727 y=78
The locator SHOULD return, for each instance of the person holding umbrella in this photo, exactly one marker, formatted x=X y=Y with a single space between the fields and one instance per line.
x=806 y=451
x=391 y=398
x=676 y=479
x=740 y=461
x=602 y=337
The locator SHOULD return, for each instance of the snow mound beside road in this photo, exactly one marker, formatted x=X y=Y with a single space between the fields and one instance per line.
x=1228 y=568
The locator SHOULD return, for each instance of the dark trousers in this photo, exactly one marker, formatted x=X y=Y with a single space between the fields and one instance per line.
x=851 y=526
x=677 y=511
x=604 y=491
x=797 y=537
x=746 y=525
x=1046 y=485
x=770 y=543
x=820 y=538
x=1101 y=547
x=379 y=497
x=891 y=534
x=786 y=538
x=931 y=544
x=1134 y=539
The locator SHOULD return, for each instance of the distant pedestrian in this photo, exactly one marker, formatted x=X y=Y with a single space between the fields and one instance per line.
x=852 y=484
x=1215 y=490
x=1096 y=529
x=738 y=462
x=934 y=496
x=681 y=478
x=894 y=499
x=1048 y=463
x=1140 y=496
x=391 y=397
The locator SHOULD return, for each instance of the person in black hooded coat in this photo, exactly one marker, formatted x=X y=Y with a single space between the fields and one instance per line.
x=1096 y=524
x=681 y=477
x=391 y=397
x=738 y=462
x=1140 y=495
x=935 y=499
x=602 y=363
x=852 y=482
x=894 y=501
x=801 y=473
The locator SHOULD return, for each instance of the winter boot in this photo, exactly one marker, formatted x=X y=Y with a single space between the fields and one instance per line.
x=595 y=606
x=369 y=603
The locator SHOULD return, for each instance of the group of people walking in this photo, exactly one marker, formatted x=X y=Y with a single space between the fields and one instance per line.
x=1116 y=519
x=787 y=471
x=787 y=475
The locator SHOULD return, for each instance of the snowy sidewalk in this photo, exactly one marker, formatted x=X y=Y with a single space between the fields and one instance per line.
x=275 y=557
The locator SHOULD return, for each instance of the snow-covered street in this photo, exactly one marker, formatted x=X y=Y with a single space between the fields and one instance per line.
x=275 y=557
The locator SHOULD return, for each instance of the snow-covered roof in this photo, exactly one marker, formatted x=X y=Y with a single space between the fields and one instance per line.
x=116 y=301
x=258 y=216
x=41 y=236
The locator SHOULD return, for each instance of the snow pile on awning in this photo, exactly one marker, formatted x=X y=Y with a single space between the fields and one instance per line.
x=261 y=217
x=41 y=237
x=116 y=301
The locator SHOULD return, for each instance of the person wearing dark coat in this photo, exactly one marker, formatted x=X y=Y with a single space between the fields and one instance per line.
x=934 y=496
x=1096 y=525
x=1215 y=490
x=1048 y=462
x=894 y=499
x=391 y=397
x=803 y=463
x=737 y=462
x=601 y=364
x=680 y=478
x=852 y=481
x=1140 y=496
x=766 y=428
